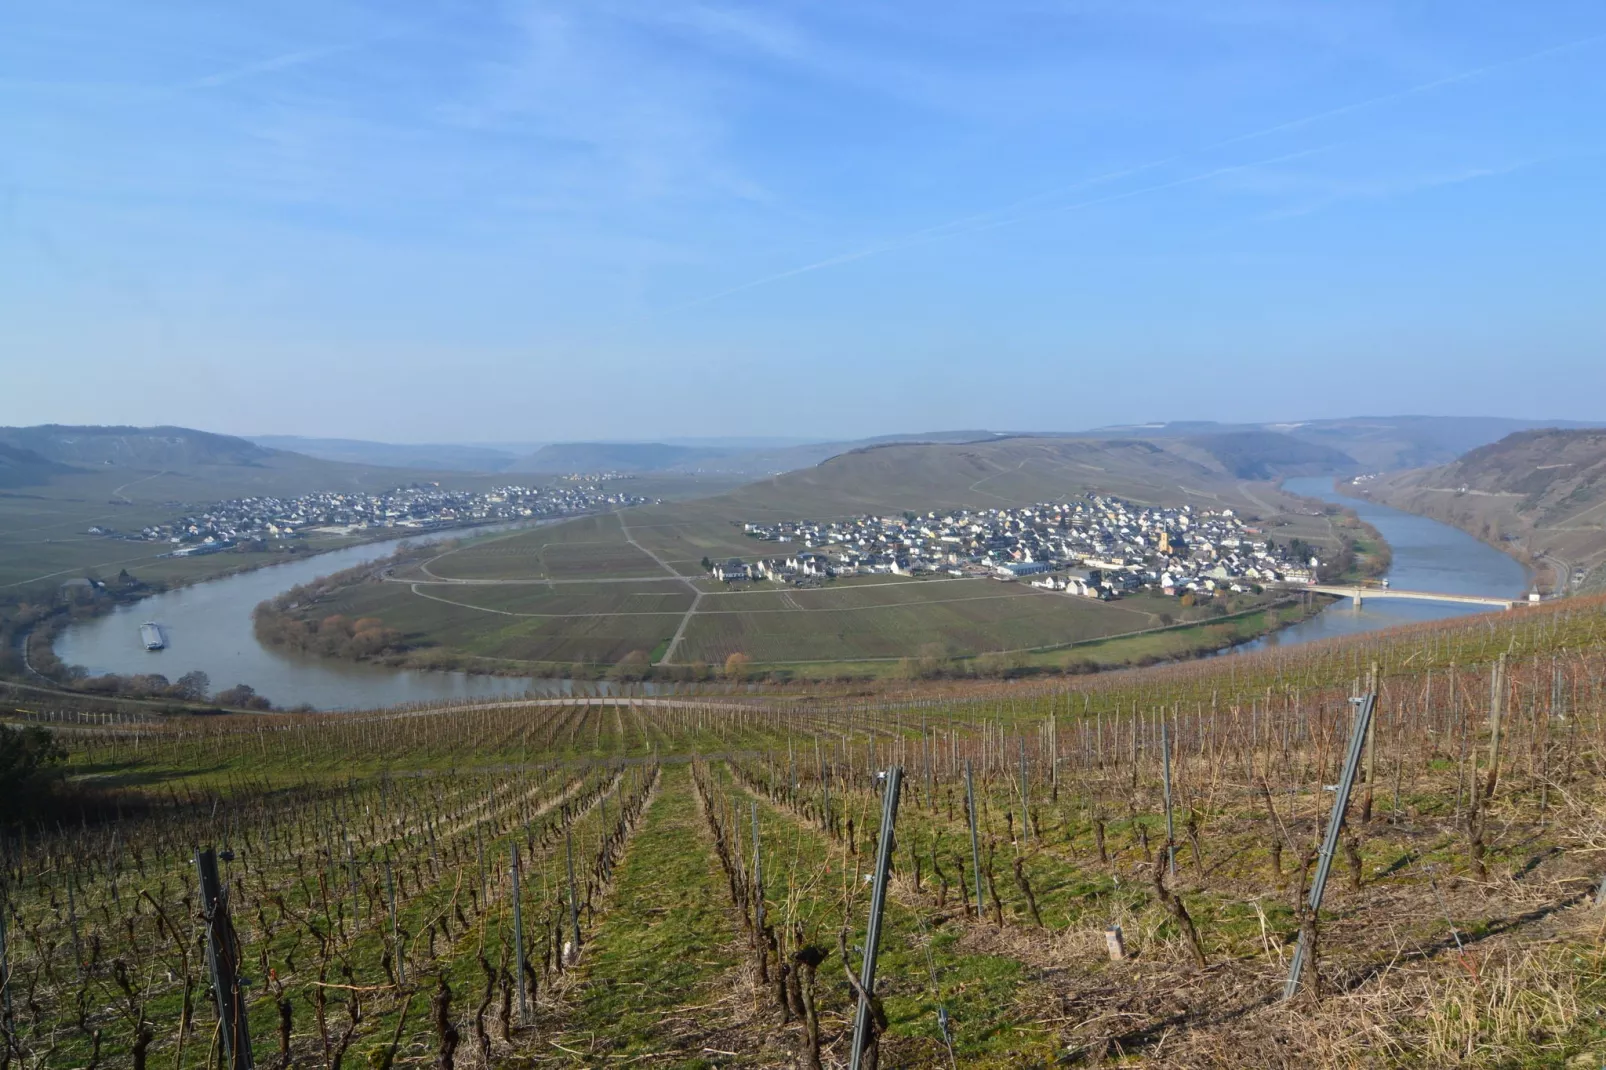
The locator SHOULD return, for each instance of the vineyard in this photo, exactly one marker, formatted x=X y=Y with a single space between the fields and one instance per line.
x=1119 y=869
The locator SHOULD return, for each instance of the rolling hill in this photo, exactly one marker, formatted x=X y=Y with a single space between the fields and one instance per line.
x=61 y=481
x=133 y=447
x=634 y=584
x=25 y=468
x=1371 y=443
x=1270 y=454
x=636 y=457
x=442 y=457
x=1013 y=471
x=1540 y=495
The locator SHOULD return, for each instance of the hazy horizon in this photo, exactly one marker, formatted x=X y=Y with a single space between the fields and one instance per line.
x=556 y=222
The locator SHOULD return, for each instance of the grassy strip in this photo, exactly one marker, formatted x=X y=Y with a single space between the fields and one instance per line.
x=663 y=945
x=991 y=998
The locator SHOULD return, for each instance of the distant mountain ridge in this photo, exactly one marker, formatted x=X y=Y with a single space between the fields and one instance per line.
x=638 y=457
x=1374 y=443
x=1260 y=455
x=444 y=457
x=132 y=447
x=1008 y=470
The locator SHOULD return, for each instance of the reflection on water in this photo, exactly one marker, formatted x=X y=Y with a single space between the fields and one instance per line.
x=1428 y=556
x=208 y=627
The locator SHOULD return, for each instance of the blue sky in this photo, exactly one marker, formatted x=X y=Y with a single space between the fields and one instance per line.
x=530 y=220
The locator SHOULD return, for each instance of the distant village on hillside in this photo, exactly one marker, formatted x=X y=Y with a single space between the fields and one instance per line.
x=421 y=507
x=1098 y=547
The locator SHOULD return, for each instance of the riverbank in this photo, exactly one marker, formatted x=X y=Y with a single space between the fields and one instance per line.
x=40 y=653
x=1533 y=564
x=210 y=626
x=322 y=620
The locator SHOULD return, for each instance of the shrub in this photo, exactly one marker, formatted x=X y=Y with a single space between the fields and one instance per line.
x=29 y=766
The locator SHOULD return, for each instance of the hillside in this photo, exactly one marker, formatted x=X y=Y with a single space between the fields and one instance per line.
x=1015 y=471
x=636 y=457
x=444 y=457
x=1012 y=471
x=1271 y=455
x=1540 y=495
x=1369 y=443
x=133 y=447
x=25 y=468
x=120 y=478
x=1458 y=928
x=633 y=586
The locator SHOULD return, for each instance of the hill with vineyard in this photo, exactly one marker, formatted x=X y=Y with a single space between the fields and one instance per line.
x=1118 y=867
x=1540 y=495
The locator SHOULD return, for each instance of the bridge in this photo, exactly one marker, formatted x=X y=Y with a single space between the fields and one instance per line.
x=1361 y=593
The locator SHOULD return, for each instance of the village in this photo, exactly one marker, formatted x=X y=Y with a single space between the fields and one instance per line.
x=420 y=507
x=1098 y=547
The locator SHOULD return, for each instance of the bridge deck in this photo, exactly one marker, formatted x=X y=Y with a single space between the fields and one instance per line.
x=1360 y=594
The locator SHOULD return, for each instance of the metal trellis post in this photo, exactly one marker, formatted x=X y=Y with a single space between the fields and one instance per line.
x=758 y=876
x=1170 y=824
x=574 y=901
x=395 y=929
x=222 y=954
x=1335 y=825
x=518 y=936
x=975 y=847
x=878 y=901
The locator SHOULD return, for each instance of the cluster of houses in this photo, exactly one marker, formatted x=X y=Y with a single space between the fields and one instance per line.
x=1096 y=547
x=416 y=507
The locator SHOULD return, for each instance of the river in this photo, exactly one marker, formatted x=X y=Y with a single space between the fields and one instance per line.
x=208 y=625
x=1427 y=556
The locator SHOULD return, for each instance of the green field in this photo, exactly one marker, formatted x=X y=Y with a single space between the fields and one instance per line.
x=600 y=589
x=499 y=625
x=597 y=590
x=929 y=619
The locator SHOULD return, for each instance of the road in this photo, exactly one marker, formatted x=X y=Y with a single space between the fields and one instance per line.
x=697 y=594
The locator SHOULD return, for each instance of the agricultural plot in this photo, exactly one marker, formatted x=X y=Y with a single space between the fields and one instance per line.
x=565 y=640
x=1120 y=871
x=586 y=547
x=684 y=535
x=951 y=620
x=569 y=600
x=581 y=561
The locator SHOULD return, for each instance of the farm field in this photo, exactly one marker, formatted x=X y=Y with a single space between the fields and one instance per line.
x=961 y=618
x=602 y=594
x=724 y=850
x=581 y=592
x=585 y=548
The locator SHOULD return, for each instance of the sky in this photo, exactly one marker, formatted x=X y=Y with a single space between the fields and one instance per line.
x=449 y=220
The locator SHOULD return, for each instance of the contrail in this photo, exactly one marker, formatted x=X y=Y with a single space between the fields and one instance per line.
x=1411 y=91
x=960 y=225
x=273 y=63
x=298 y=58
x=931 y=234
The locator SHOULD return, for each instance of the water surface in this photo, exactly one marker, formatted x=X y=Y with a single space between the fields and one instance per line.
x=208 y=625
x=1427 y=556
